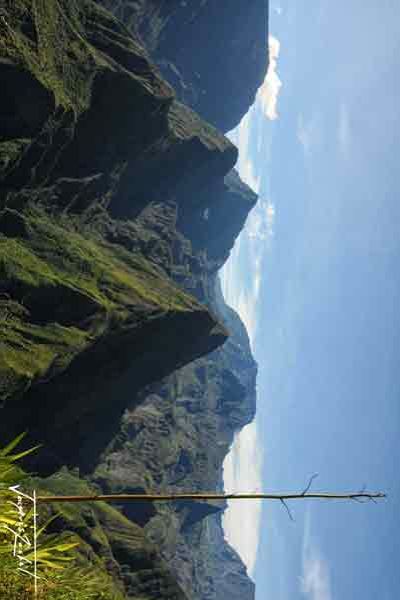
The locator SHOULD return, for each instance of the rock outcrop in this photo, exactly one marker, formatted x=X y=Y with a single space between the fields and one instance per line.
x=118 y=205
x=208 y=226
x=205 y=48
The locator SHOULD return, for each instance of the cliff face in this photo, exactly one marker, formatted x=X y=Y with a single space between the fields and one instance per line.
x=209 y=228
x=205 y=48
x=69 y=296
x=175 y=437
x=118 y=205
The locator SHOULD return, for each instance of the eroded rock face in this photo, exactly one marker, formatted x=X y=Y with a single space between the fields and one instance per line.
x=208 y=226
x=175 y=437
x=118 y=205
x=66 y=291
x=190 y=157
x=25 y=102
x=205 y=48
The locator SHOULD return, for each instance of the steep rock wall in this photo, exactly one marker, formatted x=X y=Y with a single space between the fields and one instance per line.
x=215 y=54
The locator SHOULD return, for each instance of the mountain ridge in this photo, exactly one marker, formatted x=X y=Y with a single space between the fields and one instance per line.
x=118 y=206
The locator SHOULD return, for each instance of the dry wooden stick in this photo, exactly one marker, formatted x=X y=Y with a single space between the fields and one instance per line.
x=361 y=496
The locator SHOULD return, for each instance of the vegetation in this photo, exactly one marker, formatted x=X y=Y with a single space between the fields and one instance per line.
x=63 y=290
x=63 y=572
x=46 y=38
x=10 y=151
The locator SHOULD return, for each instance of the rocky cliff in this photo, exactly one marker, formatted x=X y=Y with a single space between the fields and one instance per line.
x=213 y=53
x=176 y=437
x=118 y=205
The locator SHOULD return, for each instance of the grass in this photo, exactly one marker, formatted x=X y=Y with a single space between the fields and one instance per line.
x=64 y=573
x=49 y=38
x=52 y=47
x=62 y=290
x=10 y=151
x=27 y=351
x=57 y=254
x=73 y=583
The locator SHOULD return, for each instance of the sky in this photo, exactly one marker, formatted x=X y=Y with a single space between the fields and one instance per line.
x=315 y=278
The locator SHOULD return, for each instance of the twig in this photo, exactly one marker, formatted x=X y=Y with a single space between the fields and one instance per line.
x=287 y=509
x=309 y=483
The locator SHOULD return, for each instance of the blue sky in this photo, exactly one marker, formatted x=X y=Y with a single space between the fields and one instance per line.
x=315 y=278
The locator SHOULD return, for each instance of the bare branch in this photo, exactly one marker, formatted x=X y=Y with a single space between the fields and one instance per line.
x=310 y=483
x=287 y=509
x=358 y=500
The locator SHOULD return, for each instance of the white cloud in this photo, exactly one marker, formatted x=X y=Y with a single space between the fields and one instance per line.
x=248 y=175
x=315 y=582
x=245 y=165
x=243 y=464
x=260 y=223
x=245 y=307
x=244 y=298
x=267 y=95
x=316 y=579
x=243 y=473
x=270 y=217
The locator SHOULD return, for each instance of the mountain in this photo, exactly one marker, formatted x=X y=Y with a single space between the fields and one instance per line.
x=175 y=437
x=213 y=53
x=118 y=206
